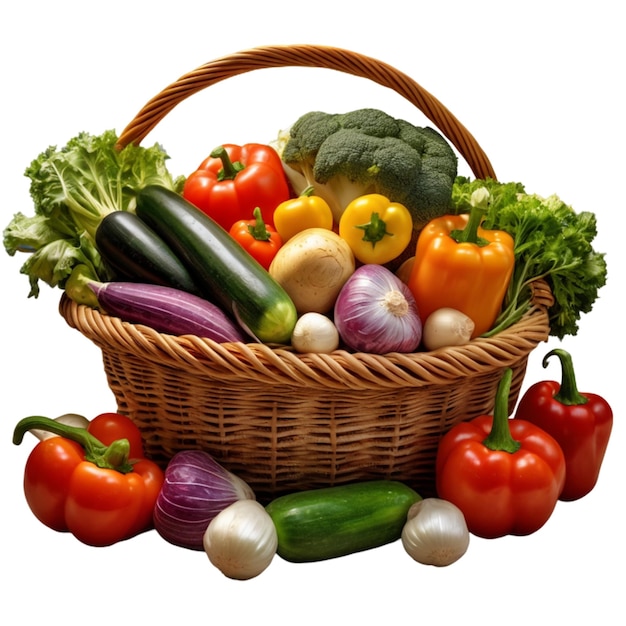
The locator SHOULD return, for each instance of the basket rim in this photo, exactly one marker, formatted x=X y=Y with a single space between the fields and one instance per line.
x=281 y=365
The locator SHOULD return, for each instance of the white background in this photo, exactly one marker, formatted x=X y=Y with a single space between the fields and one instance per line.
x=540 y=86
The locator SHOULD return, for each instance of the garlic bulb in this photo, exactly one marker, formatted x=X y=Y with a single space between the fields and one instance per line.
x=315 y=332
x=70 y=419
x=241 y=540
x=435 y=532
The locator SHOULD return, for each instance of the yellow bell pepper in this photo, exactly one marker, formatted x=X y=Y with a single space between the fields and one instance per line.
x=459 y=264
x=376 y=229
x=298 y=214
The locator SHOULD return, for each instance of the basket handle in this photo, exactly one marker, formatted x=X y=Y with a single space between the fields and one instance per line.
x=309 y=56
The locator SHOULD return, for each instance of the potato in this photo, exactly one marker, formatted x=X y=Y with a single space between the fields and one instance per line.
x=312 y=267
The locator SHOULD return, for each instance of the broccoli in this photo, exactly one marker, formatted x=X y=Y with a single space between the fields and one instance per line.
x=347 y=155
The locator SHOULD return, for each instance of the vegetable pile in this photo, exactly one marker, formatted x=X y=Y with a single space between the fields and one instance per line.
x=349 y=232
x=268 y=233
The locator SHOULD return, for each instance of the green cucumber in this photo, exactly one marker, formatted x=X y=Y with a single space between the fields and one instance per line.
x=223 y=271
x=334 y=521
x=134 y=252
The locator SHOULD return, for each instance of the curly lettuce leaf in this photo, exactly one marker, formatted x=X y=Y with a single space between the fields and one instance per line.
x=73 y=189
x=90 y=177
x=30 y=233
x=54 y=262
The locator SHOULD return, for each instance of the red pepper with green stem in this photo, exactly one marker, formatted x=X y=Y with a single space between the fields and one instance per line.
x=505 y=475
x=100 y=491
x=580 y=422
x=257 y=238
x=233 y=180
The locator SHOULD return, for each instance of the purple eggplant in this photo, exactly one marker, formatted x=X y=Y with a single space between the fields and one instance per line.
x=166 y=310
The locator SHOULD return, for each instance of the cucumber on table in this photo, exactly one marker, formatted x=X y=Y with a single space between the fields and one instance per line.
x=330 y=522
x=223 y=271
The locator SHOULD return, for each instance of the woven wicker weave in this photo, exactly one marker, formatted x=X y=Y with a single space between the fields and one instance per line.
x=284 y=421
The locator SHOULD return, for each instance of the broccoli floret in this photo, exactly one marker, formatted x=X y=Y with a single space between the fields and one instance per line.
x=346 y=155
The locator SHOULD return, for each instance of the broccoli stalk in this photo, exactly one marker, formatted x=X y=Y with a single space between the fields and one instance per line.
x=344 y=156
x=338 y=192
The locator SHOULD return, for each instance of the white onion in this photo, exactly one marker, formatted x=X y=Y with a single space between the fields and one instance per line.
x=446 y=327
x=375 y=312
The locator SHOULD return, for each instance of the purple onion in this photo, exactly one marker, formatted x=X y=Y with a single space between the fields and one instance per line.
x=195 y=490
x=375 y=312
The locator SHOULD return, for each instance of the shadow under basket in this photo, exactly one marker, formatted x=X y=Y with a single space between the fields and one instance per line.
x=284 y=421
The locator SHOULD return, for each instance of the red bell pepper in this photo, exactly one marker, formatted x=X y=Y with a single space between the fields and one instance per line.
x=233 y=180
x=505 y=475
x=100 y=491
x=580 y=422
x=257 y=238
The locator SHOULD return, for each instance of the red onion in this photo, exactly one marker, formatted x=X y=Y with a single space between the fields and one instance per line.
x=375 y=312
x=195 y=490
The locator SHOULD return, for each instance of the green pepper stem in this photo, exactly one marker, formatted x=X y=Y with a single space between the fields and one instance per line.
x=114 y=456
x=568 y=393
x=259 y=230
x=229 y=169
x=500 y=437
x=375 y=230
x=308 y=192
x=469 y=234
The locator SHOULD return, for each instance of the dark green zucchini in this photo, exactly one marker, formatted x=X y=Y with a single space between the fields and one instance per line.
x=326 y=523
x=134 y=252
x=224 y=272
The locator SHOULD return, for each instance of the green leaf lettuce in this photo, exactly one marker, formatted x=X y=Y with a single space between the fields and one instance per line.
x=73 y=189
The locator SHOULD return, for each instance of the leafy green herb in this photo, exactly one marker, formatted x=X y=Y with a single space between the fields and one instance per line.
x=552 y=242
x=73 y=189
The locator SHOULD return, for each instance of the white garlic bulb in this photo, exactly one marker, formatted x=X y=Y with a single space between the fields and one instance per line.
x=435 y=532
x=241 y=540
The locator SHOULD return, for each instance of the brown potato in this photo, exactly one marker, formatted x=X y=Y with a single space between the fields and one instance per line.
x=312 y=267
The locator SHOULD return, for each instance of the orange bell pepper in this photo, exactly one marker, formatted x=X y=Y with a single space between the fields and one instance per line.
x=461 y=265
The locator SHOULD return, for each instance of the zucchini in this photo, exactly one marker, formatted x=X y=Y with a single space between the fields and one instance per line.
x=133 y=251
x=166 y=310
x=222 y=269
x=334 y=521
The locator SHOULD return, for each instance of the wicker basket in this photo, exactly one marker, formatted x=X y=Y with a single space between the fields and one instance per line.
x=284 y=421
